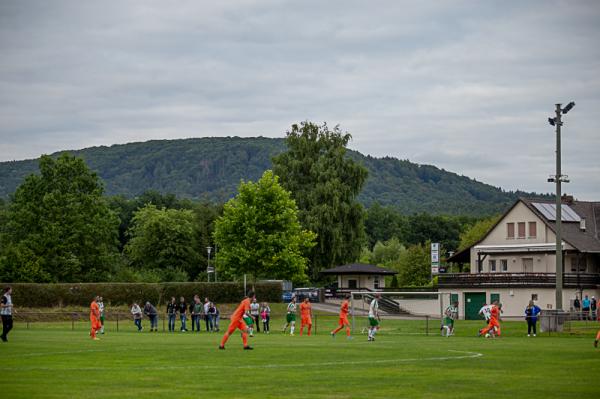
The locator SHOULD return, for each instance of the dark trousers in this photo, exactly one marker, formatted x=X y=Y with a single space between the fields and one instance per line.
x=7 y=325
x=266 y=324
x=208 y=321
x=256 y=322
x=531 y=325
x=138 y=323
x=586 y=313
x=196 y=322
x=172 y=317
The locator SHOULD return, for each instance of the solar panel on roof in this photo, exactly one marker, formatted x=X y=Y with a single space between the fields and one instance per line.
x=549 y=212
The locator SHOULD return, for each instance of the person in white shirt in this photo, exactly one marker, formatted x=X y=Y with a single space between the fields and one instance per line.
x=255 y=313
x=374 y=318
x=6 y=311
x=136 y=311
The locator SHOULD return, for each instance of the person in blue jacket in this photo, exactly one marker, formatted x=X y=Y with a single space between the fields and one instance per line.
x=531 y=315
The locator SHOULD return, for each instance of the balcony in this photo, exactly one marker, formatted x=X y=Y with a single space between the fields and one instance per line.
x=516 y=280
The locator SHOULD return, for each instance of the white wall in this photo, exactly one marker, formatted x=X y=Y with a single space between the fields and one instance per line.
x=514 y=300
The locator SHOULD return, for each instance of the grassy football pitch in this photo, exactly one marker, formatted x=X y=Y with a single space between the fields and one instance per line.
x=52 y=361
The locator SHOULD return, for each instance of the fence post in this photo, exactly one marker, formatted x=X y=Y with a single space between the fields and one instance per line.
x=117 y=322
x=163 y=323
x=427 y=325
x=316 y=324
x=73 y=322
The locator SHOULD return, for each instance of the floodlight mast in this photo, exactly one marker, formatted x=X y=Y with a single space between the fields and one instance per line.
x=558 y=179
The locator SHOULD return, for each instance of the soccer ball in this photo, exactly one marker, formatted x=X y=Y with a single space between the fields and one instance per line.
x=487 y=335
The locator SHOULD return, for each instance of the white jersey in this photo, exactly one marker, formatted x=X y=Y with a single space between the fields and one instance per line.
x=291 y=307
x=101 y=308
x=374 y=308
x=486 y=311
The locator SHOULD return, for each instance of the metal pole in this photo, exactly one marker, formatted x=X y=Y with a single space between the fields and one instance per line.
x=215 y=262
x=352 y=304
x=558 y=178
x=117 y=322
x=245 y=284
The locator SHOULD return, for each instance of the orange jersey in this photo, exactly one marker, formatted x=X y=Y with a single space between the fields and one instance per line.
x=241 y=310
x=344 y=309
x=495 y=312
x=305 y=309
x=94 y=311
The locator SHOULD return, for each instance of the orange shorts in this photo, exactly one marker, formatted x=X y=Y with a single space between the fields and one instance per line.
x=237 y=324
x=344 y=321
x=306 y=320
x=96 y=325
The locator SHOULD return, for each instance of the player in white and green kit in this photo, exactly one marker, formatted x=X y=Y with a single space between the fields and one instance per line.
x=450 y=314
x=290 y=317
x=374 y=317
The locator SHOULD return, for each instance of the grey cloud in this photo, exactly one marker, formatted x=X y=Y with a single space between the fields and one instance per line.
x=461 y=85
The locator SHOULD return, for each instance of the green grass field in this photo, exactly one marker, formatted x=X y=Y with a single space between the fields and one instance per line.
x=52 y=361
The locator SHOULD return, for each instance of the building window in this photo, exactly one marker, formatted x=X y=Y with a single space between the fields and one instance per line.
x=582 y=265
x=534 y=297
x=532 y=229
x=504 y=265
x=510 y=230
x=521 y=229
x=492 y=265
x=376 y=282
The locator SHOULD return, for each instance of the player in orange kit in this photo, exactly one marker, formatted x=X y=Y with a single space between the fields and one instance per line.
x=95 y=318
x=237 y=322
x=343 y=318
x=306 y=316
x=494 y=323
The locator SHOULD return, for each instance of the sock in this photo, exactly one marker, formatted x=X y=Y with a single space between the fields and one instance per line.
x=292 y=328
x=225 y=338
x=347 y=331
x=598 y=336
x=309 y=328
x=93 y=333
x=447 y=330
x=245 y=338
x=373 y=333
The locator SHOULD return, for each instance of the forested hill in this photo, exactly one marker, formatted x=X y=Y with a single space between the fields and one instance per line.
x=211 y=168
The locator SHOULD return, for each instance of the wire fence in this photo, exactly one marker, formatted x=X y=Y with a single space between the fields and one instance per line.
x=322 y=323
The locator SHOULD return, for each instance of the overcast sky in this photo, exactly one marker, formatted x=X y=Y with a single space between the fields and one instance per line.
x=463 y=85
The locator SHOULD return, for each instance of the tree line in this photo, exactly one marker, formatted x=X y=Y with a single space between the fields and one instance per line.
x=296 y=220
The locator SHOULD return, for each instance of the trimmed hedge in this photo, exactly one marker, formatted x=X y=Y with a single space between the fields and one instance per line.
x=81 y=294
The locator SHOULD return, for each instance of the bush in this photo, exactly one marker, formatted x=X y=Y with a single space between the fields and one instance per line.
x=81 y=294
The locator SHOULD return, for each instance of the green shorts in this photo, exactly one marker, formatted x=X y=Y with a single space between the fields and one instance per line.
x=373 y=322
x=248 y=320
x=290 y=317
x=448 y=321
x=102 y=319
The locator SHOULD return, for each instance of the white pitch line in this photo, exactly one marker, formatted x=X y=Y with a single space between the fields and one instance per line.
x=467 y=355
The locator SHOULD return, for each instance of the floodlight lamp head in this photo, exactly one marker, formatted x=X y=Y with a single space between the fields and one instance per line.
x=568 y=107
x=552 y=121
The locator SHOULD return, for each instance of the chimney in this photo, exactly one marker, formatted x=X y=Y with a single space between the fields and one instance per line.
x=568 y=199
x=582 y=224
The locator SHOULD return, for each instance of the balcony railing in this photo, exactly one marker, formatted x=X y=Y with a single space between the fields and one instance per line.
x=465 y=280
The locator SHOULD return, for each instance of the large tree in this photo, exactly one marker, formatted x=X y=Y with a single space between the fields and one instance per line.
x=165 y=240
x=325 y=183
x=59 y=227
x=259 y=233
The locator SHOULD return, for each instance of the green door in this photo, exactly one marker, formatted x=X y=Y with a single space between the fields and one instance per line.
x=473 y=302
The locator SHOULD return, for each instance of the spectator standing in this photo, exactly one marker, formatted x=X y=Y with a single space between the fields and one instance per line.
x=255 y=313
x=196 y=313
x=265 y=315
x=183 y=314
x=172 y=314
x=212 y=313
x=577 y=307
x=101 y=306
x=6 y=311
x=217 y=319
x=585 y=305
x=531 y=315
x=136 y=311
x=151 y=312
x=594 y=307
x=207 y=318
